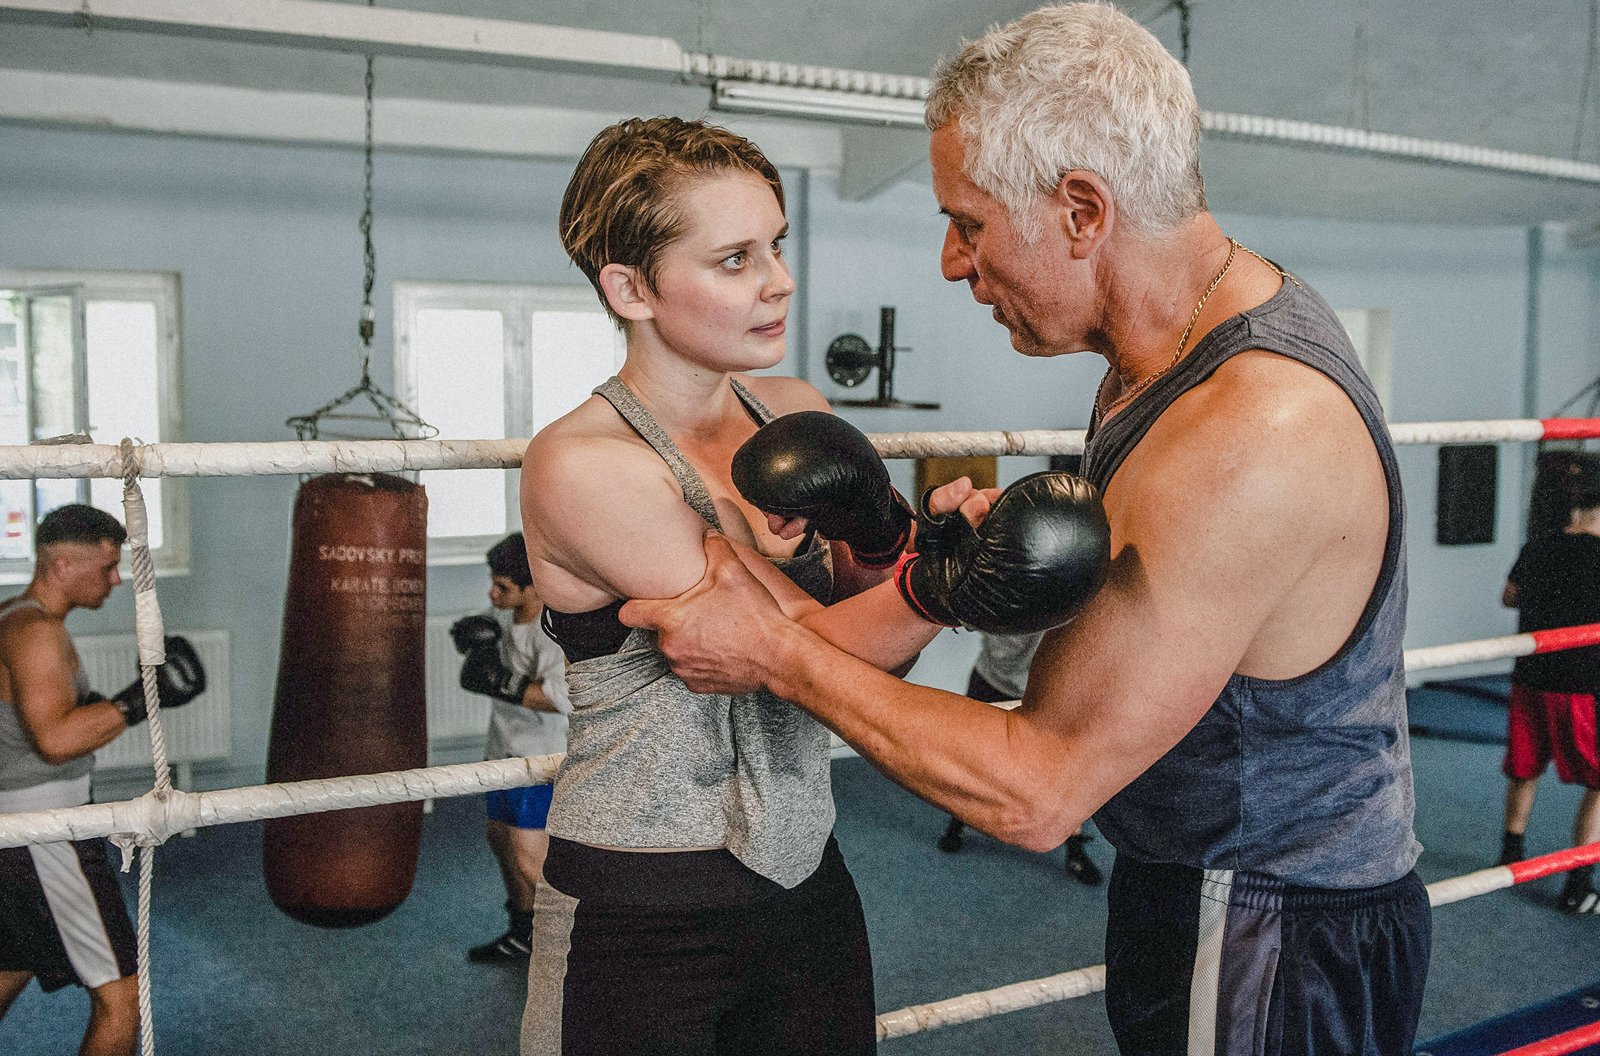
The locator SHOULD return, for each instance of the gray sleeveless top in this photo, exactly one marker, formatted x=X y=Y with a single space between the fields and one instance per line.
x=652 y=765
x=20 y=764
x=1306 y=779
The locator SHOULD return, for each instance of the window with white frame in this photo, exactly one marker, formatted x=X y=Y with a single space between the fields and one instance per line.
x=489 y=361
x=96 y=353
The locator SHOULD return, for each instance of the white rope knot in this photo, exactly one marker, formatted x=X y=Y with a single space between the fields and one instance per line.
x=132 y=455
x=152 y=819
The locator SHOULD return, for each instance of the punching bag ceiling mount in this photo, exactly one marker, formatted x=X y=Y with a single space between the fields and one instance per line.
x=354 y=413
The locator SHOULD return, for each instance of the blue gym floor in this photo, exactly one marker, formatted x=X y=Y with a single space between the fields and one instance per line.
x=233 y=975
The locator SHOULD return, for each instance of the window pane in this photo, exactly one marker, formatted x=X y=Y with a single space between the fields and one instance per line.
x=13 y=377
x=53 y=493
x=16 y=534
x=16 y=522
x=55 y=411
x=123 y=399
x=573 y=351
x=460 y=363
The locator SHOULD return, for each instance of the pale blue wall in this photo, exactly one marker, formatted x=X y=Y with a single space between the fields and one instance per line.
x=264 y=238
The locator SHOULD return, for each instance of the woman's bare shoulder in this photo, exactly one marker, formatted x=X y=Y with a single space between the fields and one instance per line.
x=785 y=395
x=598 y=502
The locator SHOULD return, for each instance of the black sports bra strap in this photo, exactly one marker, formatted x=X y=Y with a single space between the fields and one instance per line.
x=758 y=410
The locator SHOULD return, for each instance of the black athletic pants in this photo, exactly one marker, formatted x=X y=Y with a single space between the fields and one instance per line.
x=691 y=954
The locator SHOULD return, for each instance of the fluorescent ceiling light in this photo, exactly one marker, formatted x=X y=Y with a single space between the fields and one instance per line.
x=789 y=101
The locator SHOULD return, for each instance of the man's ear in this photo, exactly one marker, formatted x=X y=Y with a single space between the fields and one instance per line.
x=1085 y=210
x=55 y=562
x=626 y=292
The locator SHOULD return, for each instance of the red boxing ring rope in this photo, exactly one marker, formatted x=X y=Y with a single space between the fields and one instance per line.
x=1565 y=638
x=1570 y=428
x=1559 y=1044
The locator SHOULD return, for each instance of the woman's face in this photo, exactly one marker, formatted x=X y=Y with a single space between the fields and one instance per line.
x=723 y=288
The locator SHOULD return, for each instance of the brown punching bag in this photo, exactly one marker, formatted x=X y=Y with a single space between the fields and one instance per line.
x=351 y=695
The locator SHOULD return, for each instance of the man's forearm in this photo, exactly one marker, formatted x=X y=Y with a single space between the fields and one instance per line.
x=952 y=751
x=79 y=730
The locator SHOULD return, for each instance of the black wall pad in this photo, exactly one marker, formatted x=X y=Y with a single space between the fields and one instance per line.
x=1467 y=489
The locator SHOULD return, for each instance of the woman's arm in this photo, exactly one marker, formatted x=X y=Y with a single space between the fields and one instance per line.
x=605 y=519
x=875 y=625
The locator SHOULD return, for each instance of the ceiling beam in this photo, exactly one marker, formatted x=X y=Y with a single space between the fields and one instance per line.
x=118 y=104
x=380 y=31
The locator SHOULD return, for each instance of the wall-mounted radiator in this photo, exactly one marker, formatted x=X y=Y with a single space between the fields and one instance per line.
x=201 y=730
x=452 y=711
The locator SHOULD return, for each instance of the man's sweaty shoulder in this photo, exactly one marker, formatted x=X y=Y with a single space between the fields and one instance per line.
x=1265 y=473
x=30 y=639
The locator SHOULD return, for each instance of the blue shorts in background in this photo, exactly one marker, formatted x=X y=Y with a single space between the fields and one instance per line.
x=523 y=808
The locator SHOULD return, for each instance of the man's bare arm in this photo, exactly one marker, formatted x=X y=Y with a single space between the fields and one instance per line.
x=42 y=664
x=1212 y=527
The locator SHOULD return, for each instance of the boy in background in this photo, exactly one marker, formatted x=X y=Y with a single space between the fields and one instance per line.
x=509 y=658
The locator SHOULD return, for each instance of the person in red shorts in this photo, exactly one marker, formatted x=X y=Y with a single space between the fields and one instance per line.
x=1556 y=583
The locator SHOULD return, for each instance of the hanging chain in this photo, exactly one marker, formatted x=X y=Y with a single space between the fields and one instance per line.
x=1588 y=78
x=402 y=421
x=1360 y=71
x=368 y=324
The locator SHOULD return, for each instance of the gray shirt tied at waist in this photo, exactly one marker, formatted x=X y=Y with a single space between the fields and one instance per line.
x=651 y=764
x=1308 y=779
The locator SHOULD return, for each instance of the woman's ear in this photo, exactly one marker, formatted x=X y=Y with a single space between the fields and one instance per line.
x=1086 y=210
x=626 y=292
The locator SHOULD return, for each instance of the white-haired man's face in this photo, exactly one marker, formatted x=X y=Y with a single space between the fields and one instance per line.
x=1037 y=290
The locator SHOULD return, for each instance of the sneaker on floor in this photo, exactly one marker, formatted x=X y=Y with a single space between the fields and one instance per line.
x=507 y=949
x=1512 y=849
x=1079 y=865
x=1578 y=899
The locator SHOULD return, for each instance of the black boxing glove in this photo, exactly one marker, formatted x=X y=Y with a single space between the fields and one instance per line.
x=178 y=681
x=469 y=632
x=1036 y=559
x=484 y=672
x=818 y=466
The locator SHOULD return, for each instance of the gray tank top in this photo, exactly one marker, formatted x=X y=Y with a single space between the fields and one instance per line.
x=20 y=764
x=1306 y=779
x=651 y=765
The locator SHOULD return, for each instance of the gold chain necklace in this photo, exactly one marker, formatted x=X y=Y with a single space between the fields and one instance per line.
x=1103 y=413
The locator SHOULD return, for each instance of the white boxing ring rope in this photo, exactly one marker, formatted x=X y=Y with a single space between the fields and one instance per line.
x=151 y=819
x=158 y=816
x=291 y=457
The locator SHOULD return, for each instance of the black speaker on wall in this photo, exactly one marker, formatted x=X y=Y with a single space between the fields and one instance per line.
x=1467 y=491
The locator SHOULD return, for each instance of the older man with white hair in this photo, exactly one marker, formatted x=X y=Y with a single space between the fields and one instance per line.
x=1230 y=706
